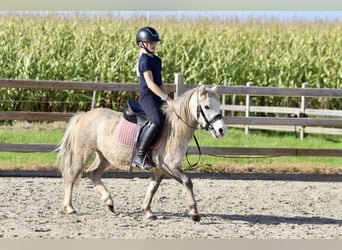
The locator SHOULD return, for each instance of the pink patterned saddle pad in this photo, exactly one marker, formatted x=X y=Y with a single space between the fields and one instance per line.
x=126 y=134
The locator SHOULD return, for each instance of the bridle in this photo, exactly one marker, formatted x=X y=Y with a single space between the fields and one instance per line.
x=208 y=125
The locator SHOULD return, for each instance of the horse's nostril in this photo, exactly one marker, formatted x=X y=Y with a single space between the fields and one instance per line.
x=221 y=131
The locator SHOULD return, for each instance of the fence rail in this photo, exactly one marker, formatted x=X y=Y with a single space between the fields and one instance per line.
x=34 y=116
x=178 y=87
x=232 y=151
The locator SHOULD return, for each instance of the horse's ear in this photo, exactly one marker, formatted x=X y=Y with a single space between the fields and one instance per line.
x=202 y=90
x=214 y=88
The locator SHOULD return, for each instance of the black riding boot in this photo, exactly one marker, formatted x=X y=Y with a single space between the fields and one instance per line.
x=146 y=138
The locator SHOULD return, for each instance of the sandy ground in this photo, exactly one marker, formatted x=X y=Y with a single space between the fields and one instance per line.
x=31 y=208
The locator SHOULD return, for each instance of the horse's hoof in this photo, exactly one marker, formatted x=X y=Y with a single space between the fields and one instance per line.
x=148 y=215
x=151 y=217
x=111 y=208
x=71 y=212
x=195 y=217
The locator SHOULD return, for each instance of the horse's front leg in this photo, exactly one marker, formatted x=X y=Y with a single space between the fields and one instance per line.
x=178 y=174
x=152 y=189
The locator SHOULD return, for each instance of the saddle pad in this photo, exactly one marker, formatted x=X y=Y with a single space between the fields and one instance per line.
x=126 y=133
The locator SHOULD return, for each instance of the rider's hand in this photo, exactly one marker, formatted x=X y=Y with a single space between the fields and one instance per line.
x=170 y=102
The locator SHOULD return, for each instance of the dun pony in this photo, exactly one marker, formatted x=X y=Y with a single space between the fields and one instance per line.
x=94 y=132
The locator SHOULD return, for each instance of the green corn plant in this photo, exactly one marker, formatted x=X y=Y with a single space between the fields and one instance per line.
x=266 y=52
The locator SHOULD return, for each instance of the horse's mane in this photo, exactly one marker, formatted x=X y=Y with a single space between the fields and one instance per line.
x=175 y=130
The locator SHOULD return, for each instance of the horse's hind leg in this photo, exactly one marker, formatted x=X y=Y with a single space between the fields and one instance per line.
x=94 y=173
x=152 y=189
x=70 y=179
x=72 y=174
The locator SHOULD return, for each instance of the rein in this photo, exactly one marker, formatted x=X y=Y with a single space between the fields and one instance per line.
x=206 y=127
x=196 y=141
x=199 y=153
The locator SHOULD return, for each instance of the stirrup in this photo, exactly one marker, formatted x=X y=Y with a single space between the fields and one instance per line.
x=150 y=164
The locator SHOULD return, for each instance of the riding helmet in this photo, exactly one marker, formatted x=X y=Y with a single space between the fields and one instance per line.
x=147 y=34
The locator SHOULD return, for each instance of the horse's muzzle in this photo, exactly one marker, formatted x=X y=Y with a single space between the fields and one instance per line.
x=218 y=132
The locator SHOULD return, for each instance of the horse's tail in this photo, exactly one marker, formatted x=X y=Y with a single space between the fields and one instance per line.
x=65 y=148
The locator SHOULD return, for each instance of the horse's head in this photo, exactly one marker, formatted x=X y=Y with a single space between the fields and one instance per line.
x=208 y=111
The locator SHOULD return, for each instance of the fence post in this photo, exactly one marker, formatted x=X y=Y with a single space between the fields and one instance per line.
x=233 y=103
x=248 y=104
x=225 y=83
x=179 y=81
x=93 y=101
x=303 y=106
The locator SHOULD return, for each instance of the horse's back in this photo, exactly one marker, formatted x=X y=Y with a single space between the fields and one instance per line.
x=97 y=122
x=102 y=113
x=99 y=116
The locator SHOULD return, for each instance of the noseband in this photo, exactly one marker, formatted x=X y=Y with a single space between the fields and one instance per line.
x=200 y=112
x=208 y=124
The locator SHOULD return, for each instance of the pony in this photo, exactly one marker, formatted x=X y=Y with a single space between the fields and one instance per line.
x=93 y=133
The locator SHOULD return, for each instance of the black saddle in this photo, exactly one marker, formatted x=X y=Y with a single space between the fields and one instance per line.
x=134 y=113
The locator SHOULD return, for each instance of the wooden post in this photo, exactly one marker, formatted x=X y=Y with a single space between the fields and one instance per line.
x=225 y=83
x=179 y=81
x=303 y=107
x=233 y=103
x=248 y=104
x=93 y=101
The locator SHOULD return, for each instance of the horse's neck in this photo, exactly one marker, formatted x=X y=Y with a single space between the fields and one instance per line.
x=180 y=125
x=178 y=134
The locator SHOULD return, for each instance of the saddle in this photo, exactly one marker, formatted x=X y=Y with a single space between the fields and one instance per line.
x=134 y=120
x=134 y=113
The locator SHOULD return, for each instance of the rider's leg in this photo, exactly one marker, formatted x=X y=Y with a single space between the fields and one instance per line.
x=146 y=138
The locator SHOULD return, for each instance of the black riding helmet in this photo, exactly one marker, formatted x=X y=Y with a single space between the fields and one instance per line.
x=147 y=34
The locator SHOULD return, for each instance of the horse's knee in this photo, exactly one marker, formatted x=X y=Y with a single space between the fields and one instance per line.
x=188 y=183
x=91 y=175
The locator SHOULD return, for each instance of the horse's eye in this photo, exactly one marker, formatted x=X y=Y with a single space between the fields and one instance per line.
x=206 y=107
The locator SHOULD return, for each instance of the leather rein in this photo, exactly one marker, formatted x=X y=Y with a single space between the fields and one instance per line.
x=208 y=125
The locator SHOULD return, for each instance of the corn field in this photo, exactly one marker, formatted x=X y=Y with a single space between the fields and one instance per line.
x=210 y=51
